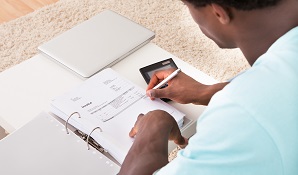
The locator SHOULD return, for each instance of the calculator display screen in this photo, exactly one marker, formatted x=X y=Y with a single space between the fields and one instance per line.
x=161 y=68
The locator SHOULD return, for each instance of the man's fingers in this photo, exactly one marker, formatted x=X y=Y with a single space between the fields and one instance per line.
x=151 y=94
x=158 y=76
x=139 y=117
x=157 y=93
x=184 y=143
x=132 y=132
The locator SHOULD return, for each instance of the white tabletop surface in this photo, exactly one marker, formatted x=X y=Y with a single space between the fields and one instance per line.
x=27 y=88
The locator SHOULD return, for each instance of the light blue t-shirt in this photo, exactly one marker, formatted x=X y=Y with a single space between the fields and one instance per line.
x=251 y=126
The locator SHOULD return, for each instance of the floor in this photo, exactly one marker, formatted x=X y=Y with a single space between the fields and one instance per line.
x=12 y=9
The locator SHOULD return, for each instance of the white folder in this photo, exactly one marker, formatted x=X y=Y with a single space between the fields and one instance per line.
x=43 y=147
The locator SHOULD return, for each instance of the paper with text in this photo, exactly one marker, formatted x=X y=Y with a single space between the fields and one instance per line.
x=111 y=102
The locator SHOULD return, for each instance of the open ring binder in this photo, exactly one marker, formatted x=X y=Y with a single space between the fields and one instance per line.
x=119 y=97
x=88 y=147
x=66 y=123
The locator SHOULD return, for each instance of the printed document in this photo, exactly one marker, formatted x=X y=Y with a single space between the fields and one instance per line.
x=112 y=103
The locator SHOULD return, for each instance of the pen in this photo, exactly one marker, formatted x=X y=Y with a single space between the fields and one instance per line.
x=171 y=76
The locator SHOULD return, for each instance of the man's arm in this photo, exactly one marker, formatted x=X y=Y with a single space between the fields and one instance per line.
x=183 y=89
x=149 y=151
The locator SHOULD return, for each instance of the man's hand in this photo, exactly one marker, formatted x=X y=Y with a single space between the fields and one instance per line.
x=149 y=151
x=182 y=89
x=165 y=119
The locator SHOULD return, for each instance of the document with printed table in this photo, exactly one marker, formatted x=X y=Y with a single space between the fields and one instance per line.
x=106 y=106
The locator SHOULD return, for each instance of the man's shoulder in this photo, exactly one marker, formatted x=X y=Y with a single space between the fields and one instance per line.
x=288 y=39
x=261 y=120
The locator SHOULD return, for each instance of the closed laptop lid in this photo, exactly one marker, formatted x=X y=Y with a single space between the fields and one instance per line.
x=97 y=43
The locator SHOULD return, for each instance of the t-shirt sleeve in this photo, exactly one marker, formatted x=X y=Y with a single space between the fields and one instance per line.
x=228 y=142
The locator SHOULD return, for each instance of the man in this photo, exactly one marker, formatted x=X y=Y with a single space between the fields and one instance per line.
x=251 y=124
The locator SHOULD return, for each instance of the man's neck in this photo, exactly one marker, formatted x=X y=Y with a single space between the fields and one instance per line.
x=262 y=28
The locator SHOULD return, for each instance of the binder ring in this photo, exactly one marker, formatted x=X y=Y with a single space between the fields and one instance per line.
x=88 y=147
x=66 y=123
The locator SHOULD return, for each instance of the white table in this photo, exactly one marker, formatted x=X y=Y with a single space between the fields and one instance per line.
x=26 y=89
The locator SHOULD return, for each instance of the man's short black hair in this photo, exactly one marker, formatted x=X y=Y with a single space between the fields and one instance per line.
x=237 y=4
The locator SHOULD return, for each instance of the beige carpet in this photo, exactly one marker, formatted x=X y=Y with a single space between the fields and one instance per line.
x=175 y=32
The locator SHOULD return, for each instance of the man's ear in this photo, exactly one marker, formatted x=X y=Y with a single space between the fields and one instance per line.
x=221 y=13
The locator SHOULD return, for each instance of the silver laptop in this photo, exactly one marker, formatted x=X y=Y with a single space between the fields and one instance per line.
x=97 y=43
